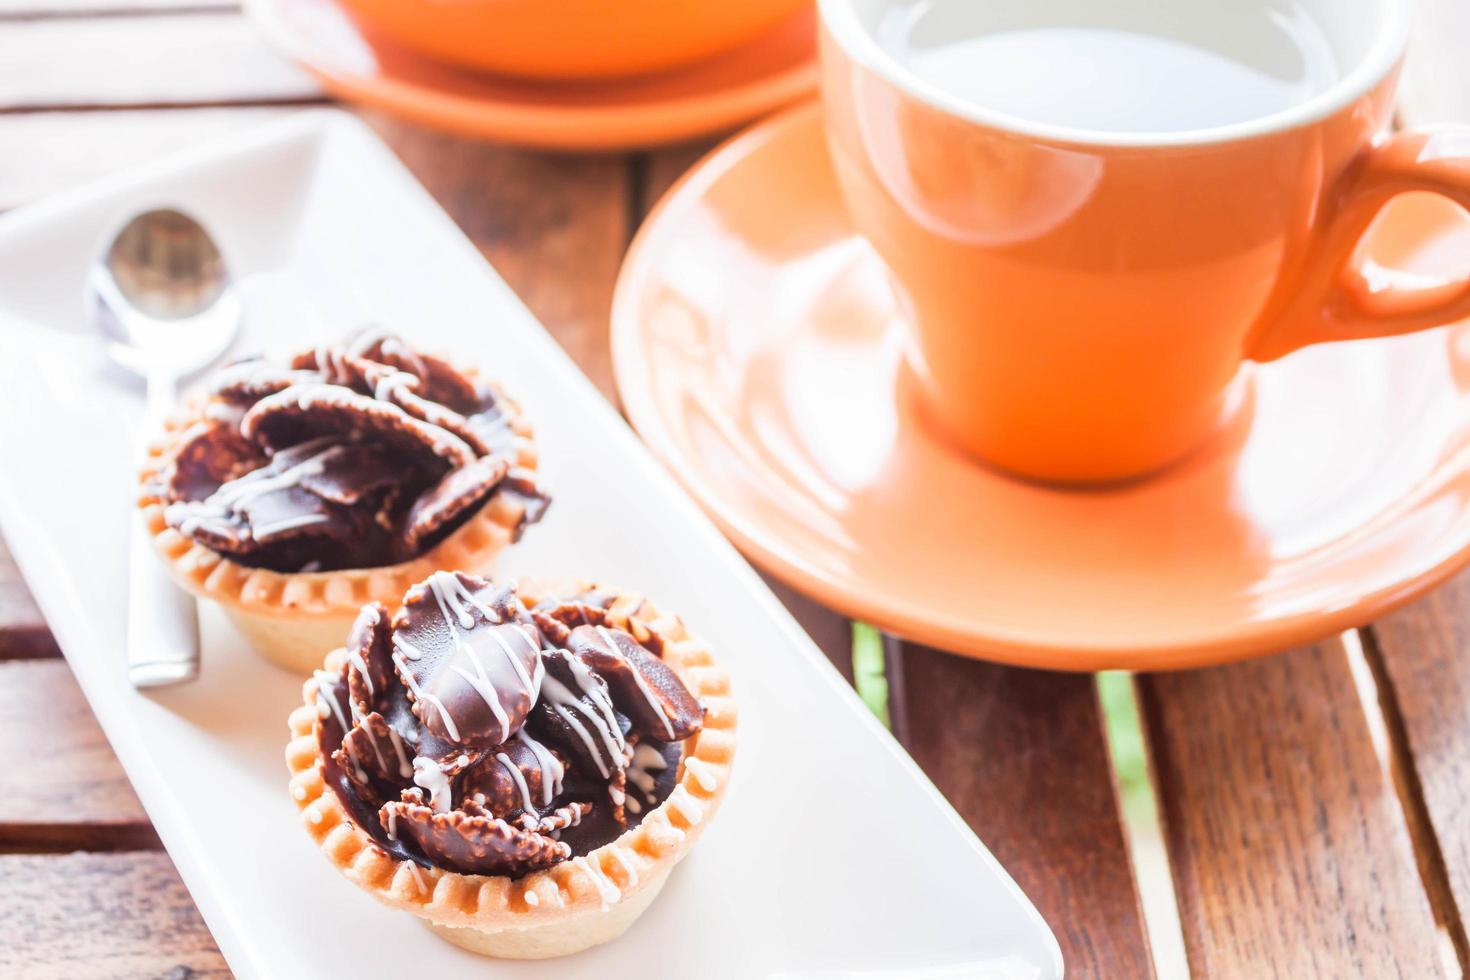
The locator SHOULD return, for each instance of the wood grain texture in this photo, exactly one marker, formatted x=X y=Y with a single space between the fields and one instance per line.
x=1290 y=853
x=101 y=917
x=657 y=170
x=60 y=786
x=46 y=152
x=1020 y=754
x=168 y=59
x=23 y=631
x=1423 y=656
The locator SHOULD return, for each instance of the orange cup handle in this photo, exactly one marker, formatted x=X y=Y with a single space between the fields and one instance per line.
x=1337 y=299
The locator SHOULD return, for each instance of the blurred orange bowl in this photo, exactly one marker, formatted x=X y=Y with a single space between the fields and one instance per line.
x=570 y=39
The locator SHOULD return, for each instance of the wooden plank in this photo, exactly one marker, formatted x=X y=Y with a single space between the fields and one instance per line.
x=554 y=225
x=174 y=59
x=1422 y=660
x=1290 y=853
x=112 y=916
x=23 y=632
x=60 y=787
x=46 y=152
x=1021 y=755
x=657 y=170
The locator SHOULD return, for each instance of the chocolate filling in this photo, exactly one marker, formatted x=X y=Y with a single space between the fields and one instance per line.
x=473 y=734
x=352 y=456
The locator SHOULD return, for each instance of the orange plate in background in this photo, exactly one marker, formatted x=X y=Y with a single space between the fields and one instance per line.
x=712 y=96
x=755 y=350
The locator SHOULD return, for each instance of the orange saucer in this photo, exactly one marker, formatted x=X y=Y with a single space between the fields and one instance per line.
x=707 y=98
x=755 y=352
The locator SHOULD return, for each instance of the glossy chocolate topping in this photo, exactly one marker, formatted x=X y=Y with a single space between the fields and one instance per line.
x=352 y=456
x=473 y=734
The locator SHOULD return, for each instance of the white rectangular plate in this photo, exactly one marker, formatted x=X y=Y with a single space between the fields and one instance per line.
x=832 y=856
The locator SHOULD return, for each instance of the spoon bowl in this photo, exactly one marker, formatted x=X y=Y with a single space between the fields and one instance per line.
x=163 y=297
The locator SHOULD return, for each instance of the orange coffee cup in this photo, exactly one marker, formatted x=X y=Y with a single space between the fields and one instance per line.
x=1079 y=302
x=571 y=39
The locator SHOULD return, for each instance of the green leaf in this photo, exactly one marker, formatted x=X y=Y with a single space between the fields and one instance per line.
x=867 y=670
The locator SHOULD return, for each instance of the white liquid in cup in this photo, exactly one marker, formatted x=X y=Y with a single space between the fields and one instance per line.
x=1115 y=65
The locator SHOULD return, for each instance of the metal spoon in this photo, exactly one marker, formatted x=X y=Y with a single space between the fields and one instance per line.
x=162 y=296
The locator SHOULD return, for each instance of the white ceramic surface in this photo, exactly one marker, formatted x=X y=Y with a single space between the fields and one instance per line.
x=833 y=855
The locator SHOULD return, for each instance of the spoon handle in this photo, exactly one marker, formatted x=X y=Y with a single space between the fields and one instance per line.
x=163 y=620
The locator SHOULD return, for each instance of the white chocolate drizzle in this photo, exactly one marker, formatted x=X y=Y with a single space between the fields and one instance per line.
x=612 y=739
x=418 y=879
x=287 y=524
x=428 y=775
x=420 y=694
x=327 y=705
x=392 y=346
x=702 y=774
x=552 y=770
x=648 y=695
x=455 y=602
x=407 y=649
x=646 y=761
x=301 y=461
x=520 y=781
x=355 y=656
x=596 y=689
x=405 y=768
x=605 y=887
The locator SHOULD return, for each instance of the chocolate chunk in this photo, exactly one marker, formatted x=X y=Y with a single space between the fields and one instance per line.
x=351 y=474
x=440 y=380
x=374 y=758
x=212 y=453
x=576 y=714
x=473 y=844
x=511 y=780
x=469 y=658
x=643 y=687
x=275 y=503
x=247 y=382
x=370 y=676
x=557 y=616
x=307 y=412
x=452 y=497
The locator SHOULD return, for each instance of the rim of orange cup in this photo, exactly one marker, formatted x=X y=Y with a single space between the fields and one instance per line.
x=840 y=20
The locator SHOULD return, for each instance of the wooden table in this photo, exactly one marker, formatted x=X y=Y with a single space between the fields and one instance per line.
x=1315 y=805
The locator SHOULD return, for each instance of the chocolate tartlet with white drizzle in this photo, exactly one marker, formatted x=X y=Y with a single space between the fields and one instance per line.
x=293 y=490
x=521 y=767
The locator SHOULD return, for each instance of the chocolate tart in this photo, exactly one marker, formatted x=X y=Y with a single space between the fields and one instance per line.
x=520 y=766
x=291 y=492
